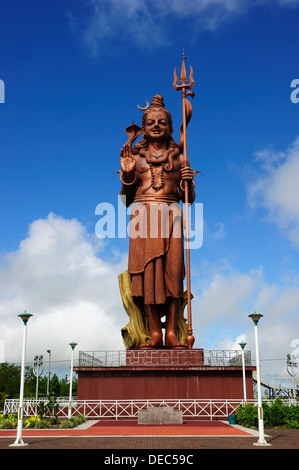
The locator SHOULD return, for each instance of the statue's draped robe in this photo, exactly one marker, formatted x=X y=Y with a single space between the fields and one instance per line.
x=156 y=257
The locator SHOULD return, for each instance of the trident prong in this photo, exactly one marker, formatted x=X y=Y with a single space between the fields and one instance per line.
x=183 y=78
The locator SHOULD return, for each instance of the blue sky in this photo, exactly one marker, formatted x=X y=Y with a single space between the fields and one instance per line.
x=74 y=73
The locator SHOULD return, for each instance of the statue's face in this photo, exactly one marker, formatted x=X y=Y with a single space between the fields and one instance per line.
x=156 y=127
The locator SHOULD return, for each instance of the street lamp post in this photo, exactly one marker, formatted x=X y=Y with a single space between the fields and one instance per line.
x=49 y=373
x=242 y=345
x=291 y=365
x=38 y=368
x=256 y=317
x=72 y=345
x=19 y=441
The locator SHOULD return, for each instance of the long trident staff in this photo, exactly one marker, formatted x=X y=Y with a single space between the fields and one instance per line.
x=186 y=105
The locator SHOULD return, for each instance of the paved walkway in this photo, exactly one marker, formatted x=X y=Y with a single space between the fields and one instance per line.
x=124 y=436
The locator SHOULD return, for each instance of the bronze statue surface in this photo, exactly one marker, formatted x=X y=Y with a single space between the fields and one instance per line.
x=153 y=174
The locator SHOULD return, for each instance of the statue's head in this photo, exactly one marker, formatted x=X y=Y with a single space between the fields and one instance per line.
x=157 y=104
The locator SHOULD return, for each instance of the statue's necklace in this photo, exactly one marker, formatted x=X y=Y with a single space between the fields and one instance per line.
x=156 y=187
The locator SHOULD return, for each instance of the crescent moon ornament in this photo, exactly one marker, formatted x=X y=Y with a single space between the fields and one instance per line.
x=146 y=107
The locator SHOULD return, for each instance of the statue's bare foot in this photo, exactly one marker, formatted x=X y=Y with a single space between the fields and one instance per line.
x=171 y=341
x=156 y=341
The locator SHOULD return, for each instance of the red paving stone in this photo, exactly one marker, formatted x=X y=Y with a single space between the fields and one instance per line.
x=76 y=439
x=191 y=428
x=132 y=428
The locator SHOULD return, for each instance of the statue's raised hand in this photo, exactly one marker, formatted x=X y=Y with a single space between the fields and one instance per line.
x=127 y=162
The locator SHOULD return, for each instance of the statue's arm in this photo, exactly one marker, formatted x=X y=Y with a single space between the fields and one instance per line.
x=187 y=174
x=127 y=194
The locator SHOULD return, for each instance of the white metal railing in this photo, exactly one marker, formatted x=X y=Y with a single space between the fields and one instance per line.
x=165 y=357
x=30 y=405
x=128 y=409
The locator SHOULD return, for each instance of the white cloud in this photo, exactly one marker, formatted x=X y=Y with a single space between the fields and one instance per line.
x=276 y=189
x=220 y=232
x=131 y=20
x=146 y=23
x=58 y=274
x=225 y=296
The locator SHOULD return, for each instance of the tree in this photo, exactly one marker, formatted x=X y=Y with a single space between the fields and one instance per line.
x=65 y=386
x=10 y=376
x=30 y=383
x=55 y=386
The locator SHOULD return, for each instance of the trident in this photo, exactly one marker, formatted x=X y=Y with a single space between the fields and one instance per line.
x=186 y=106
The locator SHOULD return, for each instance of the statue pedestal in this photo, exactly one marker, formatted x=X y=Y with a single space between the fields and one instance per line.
x=156 y=374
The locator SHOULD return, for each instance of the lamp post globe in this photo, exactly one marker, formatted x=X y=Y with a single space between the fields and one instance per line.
x=25 y=317
x=255 y=317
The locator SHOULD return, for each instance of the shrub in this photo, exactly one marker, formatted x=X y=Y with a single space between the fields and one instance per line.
x=6 y=424
x=67 y=423
x=32 y=421
x=37 y=422
x=54 y=420
x=8 y=421
x=293 y=412
x=291 y=424
x=78 y=419
x=43 y=423
x=292 y=417
x=49 y=408
x=275 y=414
x=72 y=422
x=247 y=415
